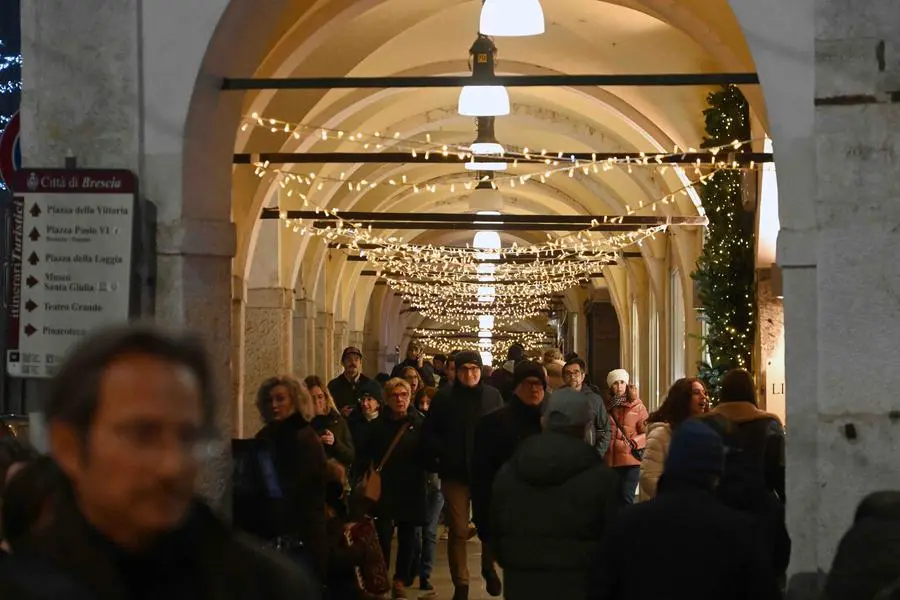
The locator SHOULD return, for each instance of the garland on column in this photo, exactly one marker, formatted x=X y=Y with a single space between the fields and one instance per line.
x=725 y=271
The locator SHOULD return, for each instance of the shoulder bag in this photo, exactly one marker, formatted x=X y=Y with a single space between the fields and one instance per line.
x=637 y=453
x=371 y=484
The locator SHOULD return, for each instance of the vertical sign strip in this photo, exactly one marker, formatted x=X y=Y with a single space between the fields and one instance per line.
x=15 y=280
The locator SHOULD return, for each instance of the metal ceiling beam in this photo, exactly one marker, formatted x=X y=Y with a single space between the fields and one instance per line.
x=606 y=79
x=490 y=220
x=436 y=157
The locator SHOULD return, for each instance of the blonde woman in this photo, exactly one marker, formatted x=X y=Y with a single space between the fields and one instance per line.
x=329 y=423
x=294 y=472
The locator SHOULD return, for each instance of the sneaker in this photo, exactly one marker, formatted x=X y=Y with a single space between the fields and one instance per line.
x=398 y=591
x=492 y=582
x=461 y=592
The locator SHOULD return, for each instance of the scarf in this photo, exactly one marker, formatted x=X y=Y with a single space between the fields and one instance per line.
x=620 y=401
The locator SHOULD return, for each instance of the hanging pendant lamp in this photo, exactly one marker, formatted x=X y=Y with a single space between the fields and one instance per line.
x=511 y=18
x=483 y=100
x=486 y=143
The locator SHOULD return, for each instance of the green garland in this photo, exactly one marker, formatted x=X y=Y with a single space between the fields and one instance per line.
x=725 y=272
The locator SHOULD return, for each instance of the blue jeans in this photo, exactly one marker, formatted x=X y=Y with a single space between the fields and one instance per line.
x=629 y=478
x=435 y=502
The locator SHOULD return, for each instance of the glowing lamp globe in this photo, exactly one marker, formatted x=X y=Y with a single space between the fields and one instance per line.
x=483 y=101
x=511 y=18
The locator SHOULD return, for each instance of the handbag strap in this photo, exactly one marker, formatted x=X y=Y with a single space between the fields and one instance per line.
x=624 y=434
x=391 y=448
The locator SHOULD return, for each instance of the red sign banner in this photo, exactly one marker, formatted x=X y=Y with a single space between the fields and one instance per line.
x=73 y=181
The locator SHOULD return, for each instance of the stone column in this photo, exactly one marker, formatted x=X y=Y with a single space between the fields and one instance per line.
x=341 y=337
x=356 y=339
x=770 y=329
x=238 y=315
x=267 y=345
x=304 y=338
x=324 y=343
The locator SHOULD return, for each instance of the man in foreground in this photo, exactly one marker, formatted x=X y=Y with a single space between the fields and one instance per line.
x=130 y=415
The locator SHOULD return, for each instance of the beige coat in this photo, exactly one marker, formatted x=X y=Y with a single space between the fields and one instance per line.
x=659 y=436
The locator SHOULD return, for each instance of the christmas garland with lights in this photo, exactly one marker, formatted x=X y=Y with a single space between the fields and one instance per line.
x=725 y=271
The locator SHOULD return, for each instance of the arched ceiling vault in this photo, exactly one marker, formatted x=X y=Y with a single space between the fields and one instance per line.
x=431 y=37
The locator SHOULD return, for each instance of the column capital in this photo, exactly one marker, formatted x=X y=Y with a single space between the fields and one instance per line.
x=304 y=309
x=270 y=298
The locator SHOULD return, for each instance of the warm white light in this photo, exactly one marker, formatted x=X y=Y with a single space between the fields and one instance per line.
x=485 y=335
x=487 y=240
x=512 y=18
x=486 y=322
x=483 y=101
x=487 y=293
x=486 y=148
x=486 y=200
x=486 y=268
x=486 y=166
x=487 y=358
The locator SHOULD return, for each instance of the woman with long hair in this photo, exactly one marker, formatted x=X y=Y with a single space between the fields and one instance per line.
x=685 y=399
x=329 y=423
x=414 y=379
x=628 y=428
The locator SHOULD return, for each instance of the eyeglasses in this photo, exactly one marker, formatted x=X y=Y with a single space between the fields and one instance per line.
x=468 y=369
x=571 y=374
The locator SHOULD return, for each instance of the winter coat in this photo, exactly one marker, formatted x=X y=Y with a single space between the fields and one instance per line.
x=202 y=559
x=551 y=506
x=299 y=462
x=342 y=450
x=659 y=436
x=346 y=392
x=744 y=414
x=360 y=429
x=712 y=552
x=502 y=379
x=449 y=429
x=497 y=436
x=602 y=431
x=867 y=561
x=633 y=419
x=403 y=478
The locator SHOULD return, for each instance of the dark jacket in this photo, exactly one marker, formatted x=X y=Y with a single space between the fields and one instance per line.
x=343 y=449
x=502 y=379
x=345 y=392
x=426 y=371
x=497 y=436
x=202 y=560
x=360 y=430
x=299 y=461
x=551 y=505
x=693 y=546
x=449 y=430
x=403 y=478
x=867 y=561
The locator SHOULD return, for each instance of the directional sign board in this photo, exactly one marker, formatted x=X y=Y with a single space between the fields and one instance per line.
x=76 y=261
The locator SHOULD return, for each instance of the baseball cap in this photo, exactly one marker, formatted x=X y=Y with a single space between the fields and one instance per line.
x=351 y=350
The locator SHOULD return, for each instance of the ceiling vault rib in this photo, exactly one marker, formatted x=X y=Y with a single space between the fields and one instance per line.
x=606 y=79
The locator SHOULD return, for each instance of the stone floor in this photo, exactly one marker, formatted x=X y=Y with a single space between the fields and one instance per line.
x=441 y=577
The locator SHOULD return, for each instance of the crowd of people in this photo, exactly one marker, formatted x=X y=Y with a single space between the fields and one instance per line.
x=572 y=489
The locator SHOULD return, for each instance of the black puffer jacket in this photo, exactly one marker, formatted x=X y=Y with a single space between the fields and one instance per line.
x=550 y=508
x=449 y=430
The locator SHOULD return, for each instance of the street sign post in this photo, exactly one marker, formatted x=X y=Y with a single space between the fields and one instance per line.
x=77 y=246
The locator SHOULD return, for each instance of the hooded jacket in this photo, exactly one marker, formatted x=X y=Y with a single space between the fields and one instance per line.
x=659 y=436
x=551 y=505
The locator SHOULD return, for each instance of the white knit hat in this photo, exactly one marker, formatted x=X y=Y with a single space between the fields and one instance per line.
x=617 y=375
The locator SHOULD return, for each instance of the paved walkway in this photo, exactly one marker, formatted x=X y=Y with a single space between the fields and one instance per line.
x=440 y=579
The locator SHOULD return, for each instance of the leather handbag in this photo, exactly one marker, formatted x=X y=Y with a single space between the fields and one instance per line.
x=372 y=483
